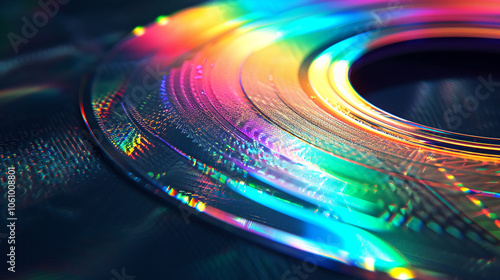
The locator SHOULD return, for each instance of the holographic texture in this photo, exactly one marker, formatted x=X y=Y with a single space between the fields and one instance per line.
x=244 y=111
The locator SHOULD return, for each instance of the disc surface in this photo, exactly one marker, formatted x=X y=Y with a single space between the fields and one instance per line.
x=244 y=113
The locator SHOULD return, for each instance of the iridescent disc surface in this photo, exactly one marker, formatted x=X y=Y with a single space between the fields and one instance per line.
x=243 y=113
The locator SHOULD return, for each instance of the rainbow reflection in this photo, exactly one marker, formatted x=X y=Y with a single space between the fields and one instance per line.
x=244 y=112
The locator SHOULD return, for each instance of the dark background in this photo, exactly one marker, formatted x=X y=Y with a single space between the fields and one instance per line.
x=433 y=82
x=78 y=218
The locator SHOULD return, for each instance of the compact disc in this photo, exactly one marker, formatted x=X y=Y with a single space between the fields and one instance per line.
x=244 y=113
